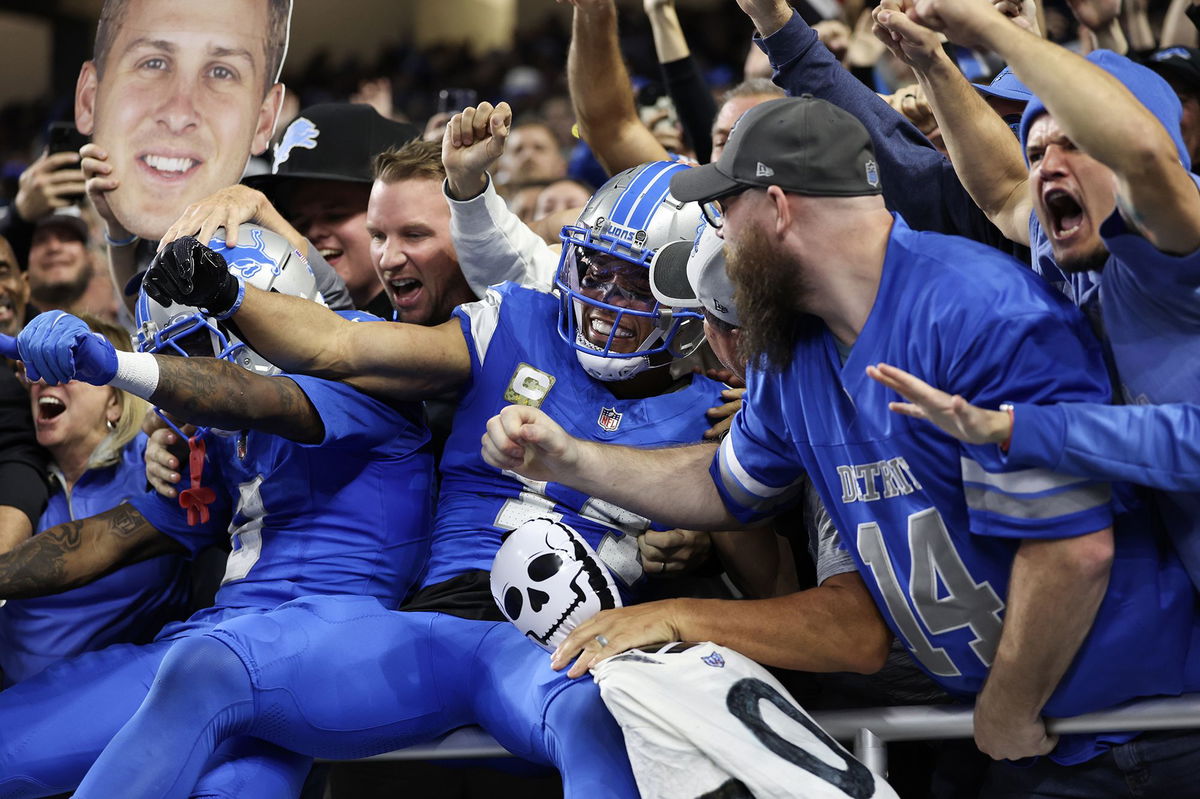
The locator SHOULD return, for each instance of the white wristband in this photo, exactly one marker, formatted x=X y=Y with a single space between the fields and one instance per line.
x=137 y=373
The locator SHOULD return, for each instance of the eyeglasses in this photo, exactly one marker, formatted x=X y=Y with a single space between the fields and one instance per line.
x=714 y=210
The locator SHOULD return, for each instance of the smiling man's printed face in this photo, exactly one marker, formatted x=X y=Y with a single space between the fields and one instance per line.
x=178 y=104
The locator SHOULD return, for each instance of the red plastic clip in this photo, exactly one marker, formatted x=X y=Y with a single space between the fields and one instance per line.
x=195 y=500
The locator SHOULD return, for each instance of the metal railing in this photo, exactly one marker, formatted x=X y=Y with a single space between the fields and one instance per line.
x=871 y=729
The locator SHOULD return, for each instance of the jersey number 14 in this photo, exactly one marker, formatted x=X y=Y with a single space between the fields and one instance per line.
x=960 y=602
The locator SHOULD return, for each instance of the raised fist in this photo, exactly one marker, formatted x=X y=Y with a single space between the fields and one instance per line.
x=58 y=348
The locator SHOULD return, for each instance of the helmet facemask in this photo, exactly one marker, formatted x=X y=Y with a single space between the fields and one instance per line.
x=604 y=276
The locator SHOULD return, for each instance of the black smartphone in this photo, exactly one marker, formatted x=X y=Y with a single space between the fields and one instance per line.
x=451 y=101
x=64 y=137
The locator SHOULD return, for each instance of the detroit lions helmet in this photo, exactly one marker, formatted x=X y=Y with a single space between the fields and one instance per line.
x=628 y=219
x=265 y=260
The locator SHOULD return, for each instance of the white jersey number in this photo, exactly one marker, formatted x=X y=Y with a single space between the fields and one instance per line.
x=246 y=538
x=935 y=563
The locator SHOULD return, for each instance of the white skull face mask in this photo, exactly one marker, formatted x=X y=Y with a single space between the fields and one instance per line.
x=547 y=580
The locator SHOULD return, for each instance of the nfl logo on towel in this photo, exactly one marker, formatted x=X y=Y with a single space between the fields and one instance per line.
x=609 y=419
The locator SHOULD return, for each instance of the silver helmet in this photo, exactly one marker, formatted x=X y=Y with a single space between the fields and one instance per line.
x=266 y=261
x=628 y=218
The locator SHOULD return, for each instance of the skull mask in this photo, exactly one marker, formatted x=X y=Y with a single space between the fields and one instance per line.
x=547 y=580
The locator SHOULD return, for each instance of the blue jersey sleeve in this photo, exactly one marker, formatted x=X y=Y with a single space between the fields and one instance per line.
x=756 y=470
x=906 y=158
x=1038 y=358
x=353 y=420
x=1151 y=445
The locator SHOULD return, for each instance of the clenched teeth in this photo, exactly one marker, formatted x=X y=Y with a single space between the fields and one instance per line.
x=164 y=164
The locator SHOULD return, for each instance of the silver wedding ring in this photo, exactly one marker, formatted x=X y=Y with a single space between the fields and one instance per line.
x=600 y=639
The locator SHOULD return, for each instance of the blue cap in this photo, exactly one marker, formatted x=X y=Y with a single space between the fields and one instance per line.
x=1005 y=85
x=1150 y=89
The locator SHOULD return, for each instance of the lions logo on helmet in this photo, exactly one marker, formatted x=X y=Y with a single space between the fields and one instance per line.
x=267 y=262
x=608 y=250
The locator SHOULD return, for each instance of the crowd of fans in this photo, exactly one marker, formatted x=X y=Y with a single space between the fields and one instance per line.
x=744 y=243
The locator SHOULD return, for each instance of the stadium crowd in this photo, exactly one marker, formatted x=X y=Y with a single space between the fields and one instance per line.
x=605 y=412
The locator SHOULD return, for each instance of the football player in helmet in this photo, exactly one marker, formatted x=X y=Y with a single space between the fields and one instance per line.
x=449 y=657
x=607 y=253
x=363 y=528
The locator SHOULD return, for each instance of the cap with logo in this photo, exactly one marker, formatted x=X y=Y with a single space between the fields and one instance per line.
x=332 y=141
x=692 y=275
x=1179 y=65
x=801 y=144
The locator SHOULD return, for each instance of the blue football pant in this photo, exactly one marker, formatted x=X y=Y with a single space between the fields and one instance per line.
x=342 y=677
x=55 y=724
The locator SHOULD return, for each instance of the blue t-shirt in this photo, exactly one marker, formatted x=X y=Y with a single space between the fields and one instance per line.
x=517 y=356
x=1146 y=305
x=934 y=524
x=348 y=515
x=128 y=606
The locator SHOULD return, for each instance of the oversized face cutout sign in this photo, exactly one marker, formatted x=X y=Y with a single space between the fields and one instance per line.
x=547 y=580
x=179 y=96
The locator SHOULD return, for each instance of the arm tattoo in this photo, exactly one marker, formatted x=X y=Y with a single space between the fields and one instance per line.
x=77 y=552
x=217 y=393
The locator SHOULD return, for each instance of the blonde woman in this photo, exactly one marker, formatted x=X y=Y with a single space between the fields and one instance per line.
x=93 y=435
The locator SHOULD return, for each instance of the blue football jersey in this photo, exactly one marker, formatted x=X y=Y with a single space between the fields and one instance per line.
x=934 y=524
x=348 y=515
x=129 y=605
x=518 y=357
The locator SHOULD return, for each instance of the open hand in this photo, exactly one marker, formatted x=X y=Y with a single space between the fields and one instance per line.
x=953 y=414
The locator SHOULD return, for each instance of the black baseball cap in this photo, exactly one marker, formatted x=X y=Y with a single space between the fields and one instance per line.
x=1177 y=64
x=332 y=141
x=67 y=219
x=801 y=144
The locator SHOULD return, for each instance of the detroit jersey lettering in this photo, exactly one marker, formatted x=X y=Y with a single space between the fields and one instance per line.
x=934 y=524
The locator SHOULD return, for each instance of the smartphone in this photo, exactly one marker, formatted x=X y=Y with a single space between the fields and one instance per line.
x=62 y=137
x=451 y=101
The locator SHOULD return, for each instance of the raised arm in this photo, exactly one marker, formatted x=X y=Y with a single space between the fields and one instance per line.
x=681 y=74
x=1154 y=191
x=78 y=552
x=492 y=243
x=601 y=91
x=527 y=441
x=986 y=156
x=906 y=158
x=392 y=360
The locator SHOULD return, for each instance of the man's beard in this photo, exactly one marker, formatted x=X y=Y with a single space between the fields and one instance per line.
x=768 y=290
x=1092 y=261
x=63 y=293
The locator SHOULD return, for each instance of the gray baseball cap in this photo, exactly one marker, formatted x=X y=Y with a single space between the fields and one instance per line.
x=801 y=144
x=692 y=275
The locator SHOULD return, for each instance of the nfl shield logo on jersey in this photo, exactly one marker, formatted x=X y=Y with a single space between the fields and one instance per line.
x=609 y=419
x=715 y=660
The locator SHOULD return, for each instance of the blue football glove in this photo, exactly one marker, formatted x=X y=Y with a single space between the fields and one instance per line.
x=8 y=347
x=58 y=348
